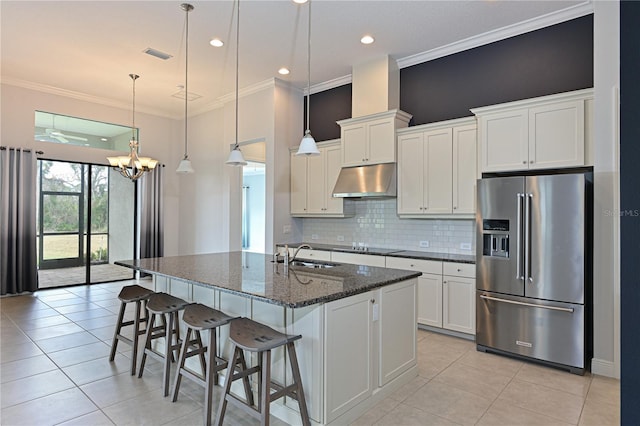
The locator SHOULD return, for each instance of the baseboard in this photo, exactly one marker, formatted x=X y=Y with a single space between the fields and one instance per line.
x=602 y=367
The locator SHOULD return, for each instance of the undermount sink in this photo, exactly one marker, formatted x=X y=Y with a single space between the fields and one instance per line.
x=314 y=265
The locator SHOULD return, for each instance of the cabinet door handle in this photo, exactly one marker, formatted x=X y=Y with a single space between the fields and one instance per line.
x=524 y=162
x=373 y=300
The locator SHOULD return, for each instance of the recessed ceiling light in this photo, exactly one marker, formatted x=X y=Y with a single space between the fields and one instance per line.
x=367 y=39
x=283 y=71
x=300 y=1
x=104 y=139
x=216 y=42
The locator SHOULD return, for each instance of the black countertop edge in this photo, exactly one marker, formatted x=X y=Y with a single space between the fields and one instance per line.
x=424 y=255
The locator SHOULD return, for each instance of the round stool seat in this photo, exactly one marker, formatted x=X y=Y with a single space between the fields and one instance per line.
x=202 y=317
x=255 y=337
x=163 y=303
x=133 y=293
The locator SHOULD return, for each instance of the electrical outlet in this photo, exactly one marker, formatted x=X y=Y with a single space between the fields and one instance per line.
x=340 y=237
x=314 y=236
x=465 y=246
x=286 y=229
x=424 y=244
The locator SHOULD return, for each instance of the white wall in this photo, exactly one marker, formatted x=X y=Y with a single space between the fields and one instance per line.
x=210 y=214
x=606 y=281
x=156 y=135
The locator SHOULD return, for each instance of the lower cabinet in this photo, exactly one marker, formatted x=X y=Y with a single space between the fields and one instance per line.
x=446 y=293
x=370 y=339
x=458 y=297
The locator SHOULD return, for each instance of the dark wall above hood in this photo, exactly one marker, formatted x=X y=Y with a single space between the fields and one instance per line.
x=377 y=180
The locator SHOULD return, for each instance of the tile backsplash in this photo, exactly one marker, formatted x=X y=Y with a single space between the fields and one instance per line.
x=376 y=224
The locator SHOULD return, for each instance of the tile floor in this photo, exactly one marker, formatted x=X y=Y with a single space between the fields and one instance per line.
x=54 y=369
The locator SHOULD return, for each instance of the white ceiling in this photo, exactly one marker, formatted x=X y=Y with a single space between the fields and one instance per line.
x=88 y=48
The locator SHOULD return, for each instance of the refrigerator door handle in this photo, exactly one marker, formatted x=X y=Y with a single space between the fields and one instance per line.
x=527 y=237
x=519 y=200
x=532 y=305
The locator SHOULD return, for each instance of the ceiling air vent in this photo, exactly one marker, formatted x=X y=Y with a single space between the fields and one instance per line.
x=190 y=96
x=157 y=53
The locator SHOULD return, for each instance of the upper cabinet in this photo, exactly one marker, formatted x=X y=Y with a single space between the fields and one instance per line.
x=312 y=182
x=437 y=169
x=540 y=133
x=371 y=139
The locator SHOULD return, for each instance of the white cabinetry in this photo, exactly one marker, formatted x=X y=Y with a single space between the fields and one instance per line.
x=437 y=169
x=446 y=293
x=371 y=351
x=429 y=296
x=371 y=139
x=540 y=133
x=458 y=297
x=312 y=182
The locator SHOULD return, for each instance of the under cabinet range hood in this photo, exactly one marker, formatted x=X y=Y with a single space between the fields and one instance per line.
x=377 y=180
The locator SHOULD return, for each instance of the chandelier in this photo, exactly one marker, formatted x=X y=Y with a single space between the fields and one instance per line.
x=131 y=166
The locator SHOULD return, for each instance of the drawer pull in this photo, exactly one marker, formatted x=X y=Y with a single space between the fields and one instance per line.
x=531 y=305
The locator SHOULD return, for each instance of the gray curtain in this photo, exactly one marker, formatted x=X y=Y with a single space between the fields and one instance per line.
x=18 y=262
x=152 y=213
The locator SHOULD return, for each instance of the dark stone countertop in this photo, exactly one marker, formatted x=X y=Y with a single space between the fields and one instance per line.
x=256 y=276
x=425 y=255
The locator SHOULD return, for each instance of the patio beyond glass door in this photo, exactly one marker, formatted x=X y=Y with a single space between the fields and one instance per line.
x=77 y=226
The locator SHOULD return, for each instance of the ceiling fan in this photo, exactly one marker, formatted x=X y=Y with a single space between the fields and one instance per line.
x=59 y=136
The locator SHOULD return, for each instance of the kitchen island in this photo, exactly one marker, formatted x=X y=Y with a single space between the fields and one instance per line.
x=358 y=323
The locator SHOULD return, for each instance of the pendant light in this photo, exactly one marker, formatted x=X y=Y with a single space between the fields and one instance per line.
x=185 y=164
x=308 y=144
x=139 y=164
x=235 y=156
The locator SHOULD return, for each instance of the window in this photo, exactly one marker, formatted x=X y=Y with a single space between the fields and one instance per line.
x=56 y=128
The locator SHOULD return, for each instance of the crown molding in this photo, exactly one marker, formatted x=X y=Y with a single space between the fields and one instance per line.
x=549 y=19
x=52 y=90
x=513 y=30
x=331 y=84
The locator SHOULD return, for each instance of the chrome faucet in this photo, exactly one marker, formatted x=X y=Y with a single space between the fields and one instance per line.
x=295 y=253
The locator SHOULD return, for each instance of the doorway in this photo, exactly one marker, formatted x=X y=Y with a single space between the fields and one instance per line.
x=254 y=197
x=81 y=228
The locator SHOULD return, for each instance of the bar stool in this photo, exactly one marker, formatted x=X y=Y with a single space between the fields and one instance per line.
x=167 y=306
x=197 y=318
x=130 y=294
x=255 y=337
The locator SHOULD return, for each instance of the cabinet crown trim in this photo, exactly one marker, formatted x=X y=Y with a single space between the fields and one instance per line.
x=466 y=121
x=525 y=103
x=398 y=114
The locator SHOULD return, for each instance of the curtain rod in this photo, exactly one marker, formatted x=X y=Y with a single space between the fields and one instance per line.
x=3 y=148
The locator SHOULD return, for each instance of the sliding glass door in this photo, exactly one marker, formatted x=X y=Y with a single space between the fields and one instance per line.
x=85 y=222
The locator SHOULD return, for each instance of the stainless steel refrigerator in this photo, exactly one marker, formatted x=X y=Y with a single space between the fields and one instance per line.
x=534 y=268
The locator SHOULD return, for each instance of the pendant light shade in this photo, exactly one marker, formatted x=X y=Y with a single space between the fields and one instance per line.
x=185 y=163
x=308 y=143
x=185 y=166
x=235 y=156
